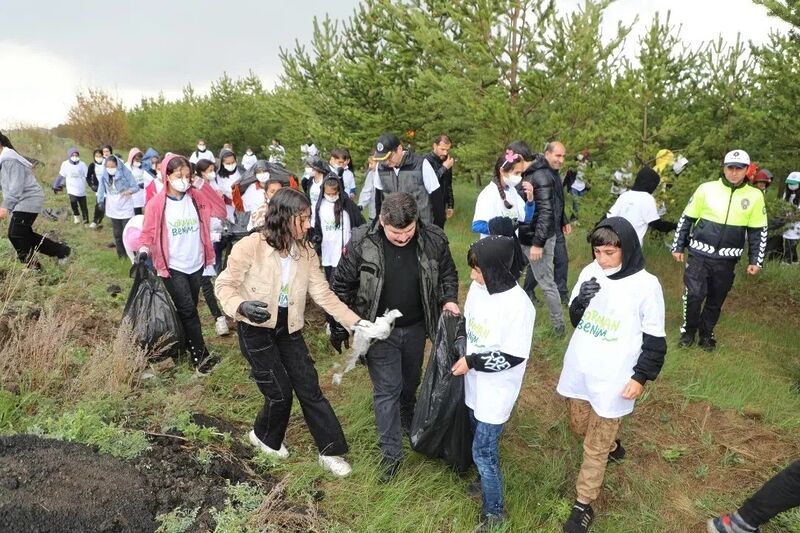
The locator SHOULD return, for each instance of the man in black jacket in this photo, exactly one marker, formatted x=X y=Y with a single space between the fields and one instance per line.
x=442 y=163
x=405 y=264
x=540 y=236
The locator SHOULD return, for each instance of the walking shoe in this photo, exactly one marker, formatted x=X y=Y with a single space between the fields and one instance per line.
x=707 y=343
x=560 y=331
x=283 y=453
x=617 y=454
x=336 y=464
x=389 y=470
x=93 y=225
x=475 y=489
x=580 y=519
x=730 y=523
x=490 y=522
x=686 y=340
x=64 y=260
x=76 y=219
x=221 y=325
x=204 y=366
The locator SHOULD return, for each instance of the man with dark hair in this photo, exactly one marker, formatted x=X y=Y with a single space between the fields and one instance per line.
x=442 y=163
x=541 y=235
x=400 y=170
x=401 y=263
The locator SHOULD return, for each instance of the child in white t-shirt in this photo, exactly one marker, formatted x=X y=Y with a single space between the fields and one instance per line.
x=74 y=171
x=638 y=206
x=619 y=343
x=499 y=319
x=500 y=197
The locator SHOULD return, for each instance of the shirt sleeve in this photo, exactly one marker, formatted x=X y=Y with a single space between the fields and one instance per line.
x=758 y=216
x=696 y=203
x=429 y=177
x=650 y=209
x=483 y=208
x=651 y=311
x=376 y=180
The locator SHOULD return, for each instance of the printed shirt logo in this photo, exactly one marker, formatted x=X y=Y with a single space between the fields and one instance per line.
x=598 y=325
x=745 y=203
x=477 y=332
x=283 y=297
x=379 y=147
x=183 y=226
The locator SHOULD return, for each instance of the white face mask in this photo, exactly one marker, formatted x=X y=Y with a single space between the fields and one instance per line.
x=331 y=198
x=262 y=177
x=249 y=153
x=211 y=175
x=201 y=147
x=231 y=167
x=793 y=186
x=610 y=271
x=307 y=171
x=112 y=171
x=74 y=158
x=98 y=160
x=513 y=180
x=179 y=184
x=137 y=164
x=334 y=167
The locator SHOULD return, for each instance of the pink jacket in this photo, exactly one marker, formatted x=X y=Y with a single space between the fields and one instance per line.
x=208 y=203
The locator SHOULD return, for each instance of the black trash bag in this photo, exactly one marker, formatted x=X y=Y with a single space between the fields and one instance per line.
x=154 y=321
x=441 y=427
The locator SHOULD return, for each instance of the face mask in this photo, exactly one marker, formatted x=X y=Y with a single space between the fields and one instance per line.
x=98 y=160
x=331 y=198
x=334 y=167
x=513 y=180
x=74 y=158
x=262 y=177
x=793 y=186
x=307 y=171
x=231 y=167
x=137 y=164
x=112 y=171
x=201 y=147
x=179 y=184
x=610 y=271
x=249 y=152
x=211 y=175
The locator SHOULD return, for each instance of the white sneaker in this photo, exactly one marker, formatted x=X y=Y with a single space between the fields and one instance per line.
x=336 y=464
x=283 y=453
x=93 y=225
x=76 y=219
x=222 y=326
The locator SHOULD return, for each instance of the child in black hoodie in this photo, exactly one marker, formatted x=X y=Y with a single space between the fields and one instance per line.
x=619 y=343
x=638 y=206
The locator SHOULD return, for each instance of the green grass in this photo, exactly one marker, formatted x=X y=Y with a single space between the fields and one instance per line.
x=709 y=431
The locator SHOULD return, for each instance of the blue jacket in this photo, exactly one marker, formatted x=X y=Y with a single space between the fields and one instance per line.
x=123 y=181
x=149 y=154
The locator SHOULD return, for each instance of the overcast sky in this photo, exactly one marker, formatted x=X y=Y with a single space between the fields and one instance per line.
x=49 y=48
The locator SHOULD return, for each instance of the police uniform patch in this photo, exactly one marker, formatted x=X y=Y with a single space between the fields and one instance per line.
x=745 y=203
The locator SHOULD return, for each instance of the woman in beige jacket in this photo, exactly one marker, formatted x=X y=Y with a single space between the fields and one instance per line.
x=264 y=287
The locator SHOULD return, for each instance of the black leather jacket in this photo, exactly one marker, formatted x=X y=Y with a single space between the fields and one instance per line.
x=548 y=194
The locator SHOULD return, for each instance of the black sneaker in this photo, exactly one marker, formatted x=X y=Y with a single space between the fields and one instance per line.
x=389 y=470
x=490 y=522
x=707 y=343
x=560 y=332
x=618 y=454
x=475 y=490
x=204 y=366
x=580 y=519
x=687 y=339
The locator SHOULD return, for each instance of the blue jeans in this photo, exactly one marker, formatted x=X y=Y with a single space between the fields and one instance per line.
x=486 y=454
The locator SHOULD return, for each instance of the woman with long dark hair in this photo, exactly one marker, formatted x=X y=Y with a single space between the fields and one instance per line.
x=23 y=199
x=264 y=287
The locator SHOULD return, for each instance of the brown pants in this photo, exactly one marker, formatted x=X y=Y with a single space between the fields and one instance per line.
x=598 y=440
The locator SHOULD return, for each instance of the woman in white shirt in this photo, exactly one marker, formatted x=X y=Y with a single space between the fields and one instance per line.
x=500 y=197
x=115 y=196
x=135 y=157
x=74 y=172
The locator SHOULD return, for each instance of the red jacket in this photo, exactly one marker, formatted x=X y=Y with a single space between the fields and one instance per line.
x=208 y=203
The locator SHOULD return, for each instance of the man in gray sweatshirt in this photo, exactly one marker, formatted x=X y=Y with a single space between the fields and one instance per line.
x=23 y=199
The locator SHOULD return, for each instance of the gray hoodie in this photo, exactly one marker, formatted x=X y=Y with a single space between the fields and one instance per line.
x=21 y=192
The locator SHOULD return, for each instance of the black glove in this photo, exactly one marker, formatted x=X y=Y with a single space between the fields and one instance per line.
x=588 y=290
x=501 y=226
x=141 y=258
x=339 y=336
x=255 y=311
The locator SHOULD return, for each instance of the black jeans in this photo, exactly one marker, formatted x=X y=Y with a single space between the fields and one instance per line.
x=138 y=210
x=118 y=226
x=78 y=205
x=26 y=241
x=207 y=284
x=395 y=367
x=560 y=269
x=707 y=284
x=779 y=494
x=99 y=213
x=185 y=290
x=280 y=365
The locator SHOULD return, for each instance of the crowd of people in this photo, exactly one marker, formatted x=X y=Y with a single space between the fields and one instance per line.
x=258 y=241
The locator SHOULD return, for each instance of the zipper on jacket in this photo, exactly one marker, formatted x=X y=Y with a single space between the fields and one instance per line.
x=727 y=213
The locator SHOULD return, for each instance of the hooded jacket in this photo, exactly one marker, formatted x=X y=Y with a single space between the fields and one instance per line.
x=495 y=257
x=548 y=195
x=21 y=192
x=222 y=171
x=654 y=349
x=154 y=238
x=122 y=181
x=146 y=165
x=720 y=218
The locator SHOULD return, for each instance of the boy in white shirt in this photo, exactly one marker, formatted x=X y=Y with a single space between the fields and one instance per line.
x=619 y=343
x=638 y=206
x=499 y=319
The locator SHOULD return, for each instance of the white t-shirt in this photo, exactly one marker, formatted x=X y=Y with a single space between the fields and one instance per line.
x=183 y=234
x=429 y=178
x=349 y=180
x=197 y=156
x=608 y=340
x=489 y=205
x=497 y=322
x=314 y=190
x=75 y=177
x=225 y=186
x=286 y=268
x=333 y=238
x=248 y=161
x=578 y=185
x=118 y=206
x=253 y=198
x=140 y=175
x=637 y=207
